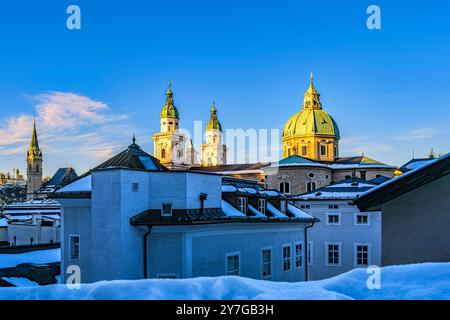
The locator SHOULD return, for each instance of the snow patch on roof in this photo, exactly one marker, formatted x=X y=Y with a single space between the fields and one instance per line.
x=231 y=211
x=36 y=257
x=82 y=185
x=21 y=282
x=3 y=222
x=255 y=212
x=298 y=213
x=274 y=211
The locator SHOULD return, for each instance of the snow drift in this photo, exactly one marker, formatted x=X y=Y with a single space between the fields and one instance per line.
x=421 y=281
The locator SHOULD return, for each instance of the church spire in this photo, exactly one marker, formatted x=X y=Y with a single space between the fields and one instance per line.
x=34 y=149
x=311 y=98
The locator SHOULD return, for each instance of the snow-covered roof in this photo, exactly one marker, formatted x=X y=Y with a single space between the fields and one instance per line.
x=346 y=190
x=21 y=282
x=34 y=257
x=275 y=212
x=255 y=212
x=298 y=213
x=231 y=211
x=81 y=185
x=407 y=174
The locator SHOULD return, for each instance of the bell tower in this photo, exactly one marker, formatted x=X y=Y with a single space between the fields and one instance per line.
x=34 y=166
x=213 y=153
x=169 y=145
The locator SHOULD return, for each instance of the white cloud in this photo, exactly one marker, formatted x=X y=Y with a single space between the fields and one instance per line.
x=421 y=133
x=70 y=126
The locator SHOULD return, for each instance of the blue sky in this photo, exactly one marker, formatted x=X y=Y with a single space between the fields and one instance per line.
x=92 y=89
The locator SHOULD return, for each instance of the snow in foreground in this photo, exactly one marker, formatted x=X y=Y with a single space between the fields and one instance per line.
x=421 y=281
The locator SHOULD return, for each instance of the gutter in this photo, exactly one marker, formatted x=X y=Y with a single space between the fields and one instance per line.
x=306 y=251
x=145 y=251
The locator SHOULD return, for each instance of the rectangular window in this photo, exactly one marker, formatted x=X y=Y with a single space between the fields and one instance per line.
x=362 y=219
x=74 y=247
x=305 y=206
x=333 y=219
x=362 y=255
x=333 y=254
x=166 y=210
x=242 y=203
x=262 y=205
x=286 y=258
x=333 y=206
x=298 y=255
x=323 y=149
x=266 y=262
x=304 y=150
x=135 y=187
x=232 y=264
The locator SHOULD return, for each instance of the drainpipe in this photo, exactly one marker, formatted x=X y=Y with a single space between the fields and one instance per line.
x=145 y=251
x=203 y=197
x=306 y=251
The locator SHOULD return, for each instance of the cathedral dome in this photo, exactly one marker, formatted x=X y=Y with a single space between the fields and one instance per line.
x=169 y=110
x=311 y=122
x=312 y=119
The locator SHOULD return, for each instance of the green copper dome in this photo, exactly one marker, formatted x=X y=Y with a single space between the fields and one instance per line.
x=214 y=123
x=312 y=119
x=311 y=122
x=169 y=110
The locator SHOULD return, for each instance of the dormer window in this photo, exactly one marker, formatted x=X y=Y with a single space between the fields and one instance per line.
x=242 y=204
x=262 y=206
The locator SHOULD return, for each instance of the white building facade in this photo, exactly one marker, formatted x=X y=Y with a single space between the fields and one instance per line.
x=345 y=238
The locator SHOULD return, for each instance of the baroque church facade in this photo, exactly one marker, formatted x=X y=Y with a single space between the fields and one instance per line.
x=175 y=151
x=310 y=141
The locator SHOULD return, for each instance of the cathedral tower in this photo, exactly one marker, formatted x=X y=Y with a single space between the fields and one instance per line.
x=213 y=151
x=169 y=144
x=34 y=166
x=312 y=133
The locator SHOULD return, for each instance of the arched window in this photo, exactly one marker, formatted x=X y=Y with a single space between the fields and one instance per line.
x=285 y=187
x=163 y=153
x=311 y=186
x=37 y=167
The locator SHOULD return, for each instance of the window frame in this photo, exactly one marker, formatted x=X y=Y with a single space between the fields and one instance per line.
x=355 y=254
x=308 y=189
x=302 y=255
x=323 y=145
x=233 y=254
x=264 y=201
x=282 y=187
x=71 y=257
x=262 y=263
x=355 y=219
x=245 y=206
x=162 y=209
x=328 y=214
x=333 y=243
x=135 y=187
x=283 y=259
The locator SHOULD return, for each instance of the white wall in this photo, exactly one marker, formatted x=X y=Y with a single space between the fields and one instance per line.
x=199 y=251
x=347 y=234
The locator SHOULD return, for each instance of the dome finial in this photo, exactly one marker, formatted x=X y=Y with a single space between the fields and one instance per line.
x=134 y=138
x=311 y=77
